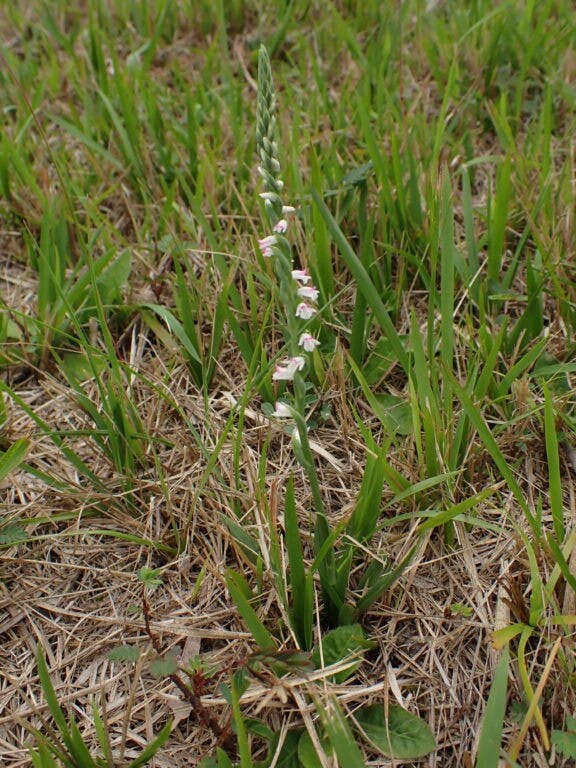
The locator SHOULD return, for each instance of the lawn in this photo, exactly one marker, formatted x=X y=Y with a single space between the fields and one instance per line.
x=287 y=375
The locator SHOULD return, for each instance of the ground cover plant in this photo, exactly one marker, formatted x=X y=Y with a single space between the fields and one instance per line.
x=287 y=356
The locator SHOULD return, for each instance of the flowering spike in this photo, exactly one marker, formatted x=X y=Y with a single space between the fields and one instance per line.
x=267 y=136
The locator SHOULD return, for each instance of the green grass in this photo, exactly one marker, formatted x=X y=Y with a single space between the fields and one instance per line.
x=428 y=150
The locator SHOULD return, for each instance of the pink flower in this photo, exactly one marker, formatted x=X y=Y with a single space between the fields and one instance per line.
x=282 y=411
x=308 y=292
x=267 y=244
x=281 y=226
x=286 y=370
x=301 y=275
x=305 y=311
x=308 y=342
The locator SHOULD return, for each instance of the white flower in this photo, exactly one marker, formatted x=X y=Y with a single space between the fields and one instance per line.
x=268 y=242
x=305 y=311
x=281 y=226
x=286 y=209
x=301 y=275
x=308 y=292
x=308 y=342
x=286 y=370
x=270 y=197
x=282 y=411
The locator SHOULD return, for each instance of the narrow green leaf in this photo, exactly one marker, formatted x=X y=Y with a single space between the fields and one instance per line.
x=553 y=457
x=492 y=447
x=307 y=755
x=151 y=749
x=437 y=519
x=102 y=735
x=13 y=457
x=561 y=562
x=340 y=734
x=447 y=250
x=261 y=636
x=300 y=582
x=490 y=744
x=383 y=583
x=50 y=696
x=497 y=221
x=363 y=282
x=176 y=328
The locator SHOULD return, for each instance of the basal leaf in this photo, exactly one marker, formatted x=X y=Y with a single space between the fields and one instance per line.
x=339 y=644
x=402 y=736
x=307 y=754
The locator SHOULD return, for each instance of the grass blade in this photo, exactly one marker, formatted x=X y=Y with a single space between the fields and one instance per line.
x=261 y=636
x=300 y=582
x=364 y=283
x=490 y=744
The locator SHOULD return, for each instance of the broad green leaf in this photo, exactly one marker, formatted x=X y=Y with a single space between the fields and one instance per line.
x=223 y=759
x=565 y=741
x=398 y=411
x=307 y=754
x=164 y=666
x=124 y=653
x=11 y=533
x=288 y=757
x=79 y=367
x=401 y=735
x=342 y=643
x=114 y=278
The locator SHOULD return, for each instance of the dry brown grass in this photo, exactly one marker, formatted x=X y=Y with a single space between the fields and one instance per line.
x=75 y=592
x=72 y=587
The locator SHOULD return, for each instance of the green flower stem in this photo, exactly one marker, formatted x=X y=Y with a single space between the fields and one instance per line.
x=304 y=452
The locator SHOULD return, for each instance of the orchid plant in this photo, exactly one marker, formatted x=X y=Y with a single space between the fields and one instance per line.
x=299 y=298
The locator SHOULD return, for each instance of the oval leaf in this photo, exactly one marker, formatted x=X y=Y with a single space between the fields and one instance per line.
x=404 y=736
x=164 y=666
x=342 y=643
x=124 y=653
